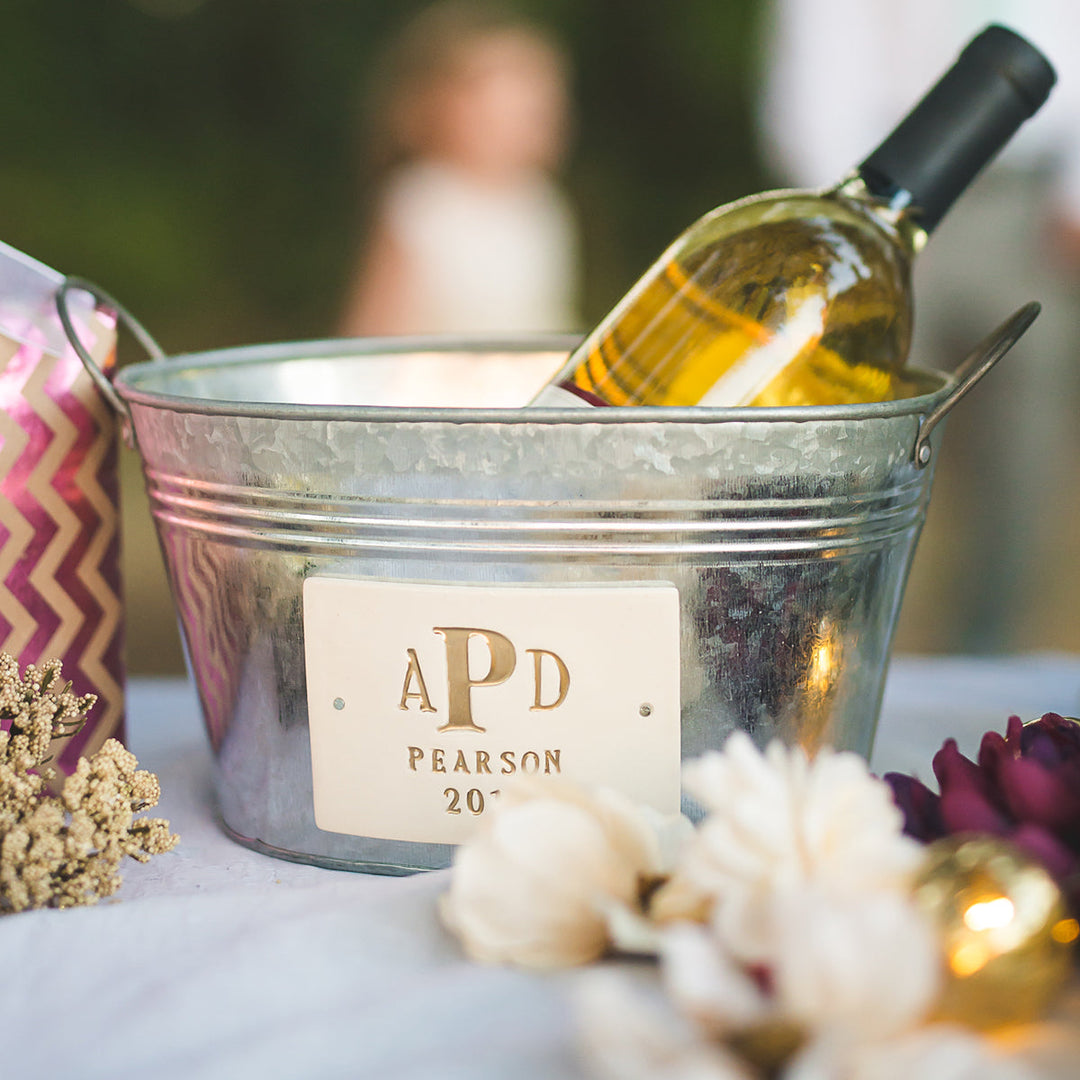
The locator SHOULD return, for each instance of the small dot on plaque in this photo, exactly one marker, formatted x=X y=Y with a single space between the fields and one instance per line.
x=645 y=710
x=339 y=703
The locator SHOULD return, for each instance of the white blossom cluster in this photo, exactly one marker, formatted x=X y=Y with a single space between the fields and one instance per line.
x=787 y=939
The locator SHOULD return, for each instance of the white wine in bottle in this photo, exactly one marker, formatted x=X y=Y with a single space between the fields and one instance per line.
x=804 y=297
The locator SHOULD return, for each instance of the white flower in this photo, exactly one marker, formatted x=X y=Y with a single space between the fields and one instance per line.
x=629 y=1034
x=869 y=964
x=934 y=1052
x=777 y=820
x=706 y=984
x=534 y=886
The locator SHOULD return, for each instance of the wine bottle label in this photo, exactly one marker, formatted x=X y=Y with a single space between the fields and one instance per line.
x=560 y=397
x=426 y=700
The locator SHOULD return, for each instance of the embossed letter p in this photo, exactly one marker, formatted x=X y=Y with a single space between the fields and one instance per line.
x=459 y=679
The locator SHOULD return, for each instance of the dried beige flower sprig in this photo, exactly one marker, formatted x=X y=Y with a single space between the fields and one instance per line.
x=62 y=850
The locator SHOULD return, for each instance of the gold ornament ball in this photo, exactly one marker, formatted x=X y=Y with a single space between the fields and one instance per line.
x=1006 y=934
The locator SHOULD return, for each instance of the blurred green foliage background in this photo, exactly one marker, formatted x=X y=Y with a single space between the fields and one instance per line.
x=203 y=161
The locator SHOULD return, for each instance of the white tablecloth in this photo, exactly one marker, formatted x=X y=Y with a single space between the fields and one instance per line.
x=215 y=961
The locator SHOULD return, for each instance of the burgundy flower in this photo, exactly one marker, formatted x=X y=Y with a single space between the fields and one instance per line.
x=1025 y=788
x=920 y=806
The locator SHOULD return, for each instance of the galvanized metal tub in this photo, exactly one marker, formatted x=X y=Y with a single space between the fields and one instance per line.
x=787 y=533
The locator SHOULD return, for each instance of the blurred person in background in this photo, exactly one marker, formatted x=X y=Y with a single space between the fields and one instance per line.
x=996 y=568
x=470 y=232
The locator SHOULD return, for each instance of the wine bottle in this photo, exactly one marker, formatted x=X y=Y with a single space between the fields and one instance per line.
x=804 y=297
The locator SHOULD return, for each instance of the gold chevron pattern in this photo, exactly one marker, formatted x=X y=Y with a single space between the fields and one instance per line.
x=59 y=526
x=97 y=569
x=15 y=529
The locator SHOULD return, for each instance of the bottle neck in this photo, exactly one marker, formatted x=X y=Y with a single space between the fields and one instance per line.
x=890 y=207
x=997 y=82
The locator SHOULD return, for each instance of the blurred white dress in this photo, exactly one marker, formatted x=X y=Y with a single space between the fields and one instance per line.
x=485 y=258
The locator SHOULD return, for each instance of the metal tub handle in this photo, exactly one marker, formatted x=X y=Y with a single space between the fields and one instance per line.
x=975 y=365
x=141 y=334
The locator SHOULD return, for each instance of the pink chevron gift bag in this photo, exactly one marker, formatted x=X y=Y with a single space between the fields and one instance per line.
x=59 y=500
